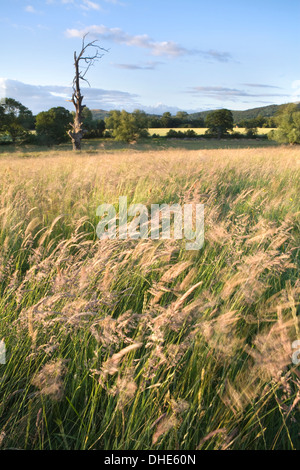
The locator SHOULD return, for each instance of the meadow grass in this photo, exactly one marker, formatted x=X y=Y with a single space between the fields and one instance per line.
x=140 y=344
x=94 y=146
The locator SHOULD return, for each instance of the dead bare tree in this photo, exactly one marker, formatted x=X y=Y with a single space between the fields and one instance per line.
x=87 y=59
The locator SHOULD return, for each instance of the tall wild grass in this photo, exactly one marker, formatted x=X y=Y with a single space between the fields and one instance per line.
x=124 y=344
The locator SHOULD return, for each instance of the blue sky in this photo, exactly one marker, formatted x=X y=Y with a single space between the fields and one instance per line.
x=163 y=55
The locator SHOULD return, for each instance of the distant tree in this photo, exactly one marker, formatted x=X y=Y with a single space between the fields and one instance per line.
x=253 y=123
x=181 y=119
x=15 y=120
x=87 y=118
x=172 y=134
x=93 y=128
x=167 y=120
x=97 y=130
x=2 y=116
x=5 y=137
x=190 y=133
x=286 y=108
x=251 y=132
x=154 y=122
x=16 y=110
x=198 y=122
x=141 y=122
x=219 y=122
x=52 y=126
x=260 y=121
x=271 y=122
x=288 y=120
x=182 y=115
x=127 y=126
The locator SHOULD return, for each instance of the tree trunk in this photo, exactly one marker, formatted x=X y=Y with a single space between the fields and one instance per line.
x=77 y=132
x=76 y=140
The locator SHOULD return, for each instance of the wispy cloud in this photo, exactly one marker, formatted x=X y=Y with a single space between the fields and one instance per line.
x=119 y=36
x=215 y=55
x=259 y=85
x=64 y=2
x=41 y=98
x=163 y=48
x=146 y=66
x=115 y=2
x=88 y=5
x=229 y=94
x=30 y=9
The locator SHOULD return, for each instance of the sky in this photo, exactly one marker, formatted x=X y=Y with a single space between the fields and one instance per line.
x=162 y=55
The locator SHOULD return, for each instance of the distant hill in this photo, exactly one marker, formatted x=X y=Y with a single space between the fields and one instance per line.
x=264 y=111
x=102 y=114
x=99 y=113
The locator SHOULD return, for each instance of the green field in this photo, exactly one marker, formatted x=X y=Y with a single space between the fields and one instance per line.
x=201 y=131
x=140 y=344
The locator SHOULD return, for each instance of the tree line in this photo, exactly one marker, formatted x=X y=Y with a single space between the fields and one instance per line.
x=19 y=125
